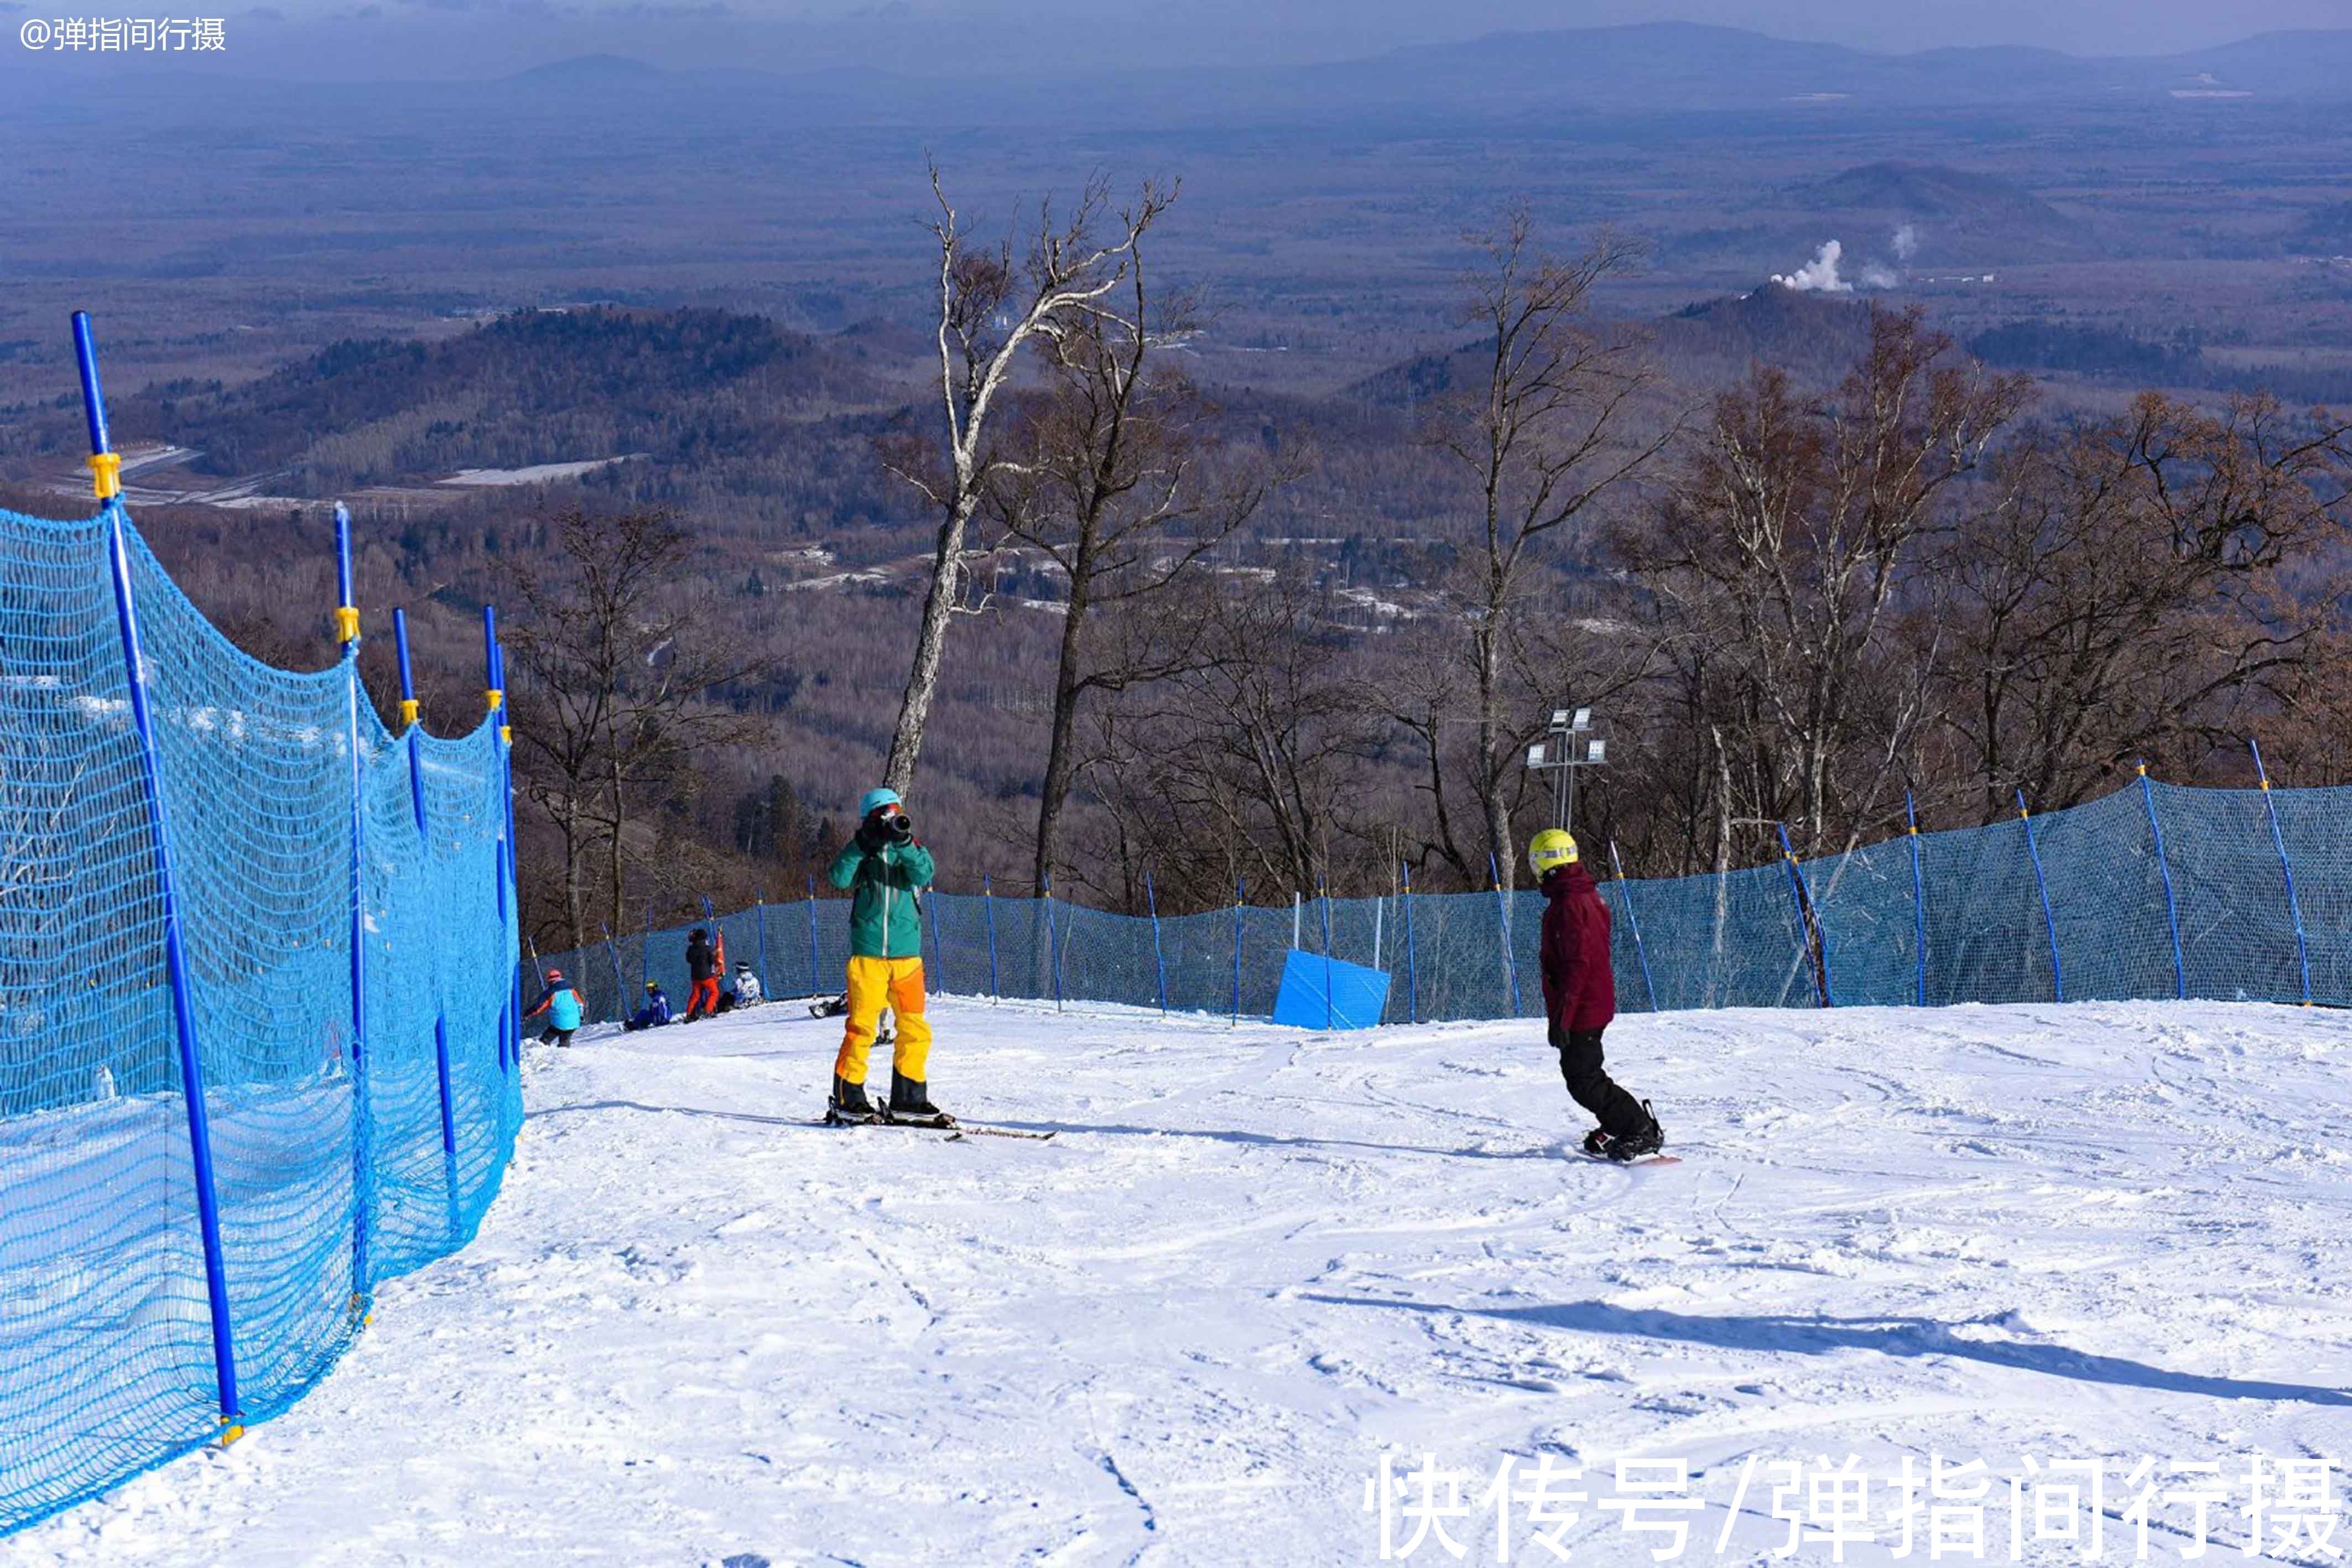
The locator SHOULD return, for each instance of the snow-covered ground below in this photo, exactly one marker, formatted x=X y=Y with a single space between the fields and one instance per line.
x=700 y=1330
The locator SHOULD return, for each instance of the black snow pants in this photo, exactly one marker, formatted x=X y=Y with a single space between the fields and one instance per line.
x=1618 y=1113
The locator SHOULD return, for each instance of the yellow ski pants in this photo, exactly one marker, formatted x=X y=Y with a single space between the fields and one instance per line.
x=875 y=984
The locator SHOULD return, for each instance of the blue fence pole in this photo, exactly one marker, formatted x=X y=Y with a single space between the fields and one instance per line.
x=497 y=702
x=759 y=919
x=347 y=632
x=1503 y=924
x=988 y=908
x=1809 y=926
x=620 y=985
x=1411 y=958
x=493 y=698
x=646 y=946
x=1918 y=895
x=813 y=960
x=105 y=470
x=1241 y=889
x=1159 y=960
x=413 y=735
x=2287 y=870
x=1053 y=938
x=1625 y=897
x=2164 y=869
x=2033 y=852
x=1323 y=897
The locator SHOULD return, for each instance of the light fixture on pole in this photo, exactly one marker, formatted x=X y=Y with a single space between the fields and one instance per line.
x=1570 y=743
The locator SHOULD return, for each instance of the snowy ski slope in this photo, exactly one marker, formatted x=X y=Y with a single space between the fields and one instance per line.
x=699 y=1330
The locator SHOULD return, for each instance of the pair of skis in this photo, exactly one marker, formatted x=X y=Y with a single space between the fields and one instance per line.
x=943 y=1122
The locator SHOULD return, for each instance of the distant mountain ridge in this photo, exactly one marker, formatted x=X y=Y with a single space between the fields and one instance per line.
x=1507 y=78
x=1648 y=66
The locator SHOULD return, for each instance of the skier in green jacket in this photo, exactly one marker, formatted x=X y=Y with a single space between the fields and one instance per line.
x=886 y=871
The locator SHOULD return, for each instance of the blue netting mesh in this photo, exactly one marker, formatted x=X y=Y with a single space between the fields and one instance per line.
x=1849 y=925
x=333 y=1169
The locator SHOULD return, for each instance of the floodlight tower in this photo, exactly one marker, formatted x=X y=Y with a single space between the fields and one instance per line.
x=1569 y=744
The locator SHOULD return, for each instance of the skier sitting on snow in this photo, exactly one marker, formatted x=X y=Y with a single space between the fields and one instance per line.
x=703 y=969
x=564 y=1008
x=655 y=1013
x=887 y=871
x=1580 y=997
x=747 y=987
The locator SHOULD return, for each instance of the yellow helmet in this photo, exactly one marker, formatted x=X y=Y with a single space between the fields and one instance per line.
x=1550 y=849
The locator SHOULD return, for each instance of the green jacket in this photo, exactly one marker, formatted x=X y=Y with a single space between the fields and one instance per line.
x=885 y=915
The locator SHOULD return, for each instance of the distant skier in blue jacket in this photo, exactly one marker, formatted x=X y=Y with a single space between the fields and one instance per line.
x=655 y=1013
x=563 y=1006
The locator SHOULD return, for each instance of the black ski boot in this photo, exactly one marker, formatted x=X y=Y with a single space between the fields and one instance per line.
x=849 y=1103
x=1636 y=1145
x=910 y=1101
x=1596 y=1143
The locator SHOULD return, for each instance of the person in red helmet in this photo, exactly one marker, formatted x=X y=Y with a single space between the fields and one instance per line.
x=564 y=1007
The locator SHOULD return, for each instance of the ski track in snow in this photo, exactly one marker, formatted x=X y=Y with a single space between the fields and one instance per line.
x=699 y=1329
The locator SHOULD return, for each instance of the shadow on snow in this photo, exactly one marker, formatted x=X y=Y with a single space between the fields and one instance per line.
x=1895 y=1336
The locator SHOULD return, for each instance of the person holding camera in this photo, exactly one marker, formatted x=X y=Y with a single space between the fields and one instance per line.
x=885 y=870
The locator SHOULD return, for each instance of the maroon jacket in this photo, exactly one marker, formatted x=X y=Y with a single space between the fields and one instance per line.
x=1580 y=987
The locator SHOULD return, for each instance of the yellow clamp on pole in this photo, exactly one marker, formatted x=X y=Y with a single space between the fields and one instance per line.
x=505 y=733
x=2143 y=770
x=106 y=474
x=347 y=623
x=231 y=1429
x=494 y=699
x=407 y=712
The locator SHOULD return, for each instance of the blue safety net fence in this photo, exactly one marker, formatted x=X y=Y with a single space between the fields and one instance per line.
x=2156 y=890
x=346 y=1143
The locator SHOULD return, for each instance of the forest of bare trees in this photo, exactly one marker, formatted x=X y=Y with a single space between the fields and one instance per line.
x=1223 y=640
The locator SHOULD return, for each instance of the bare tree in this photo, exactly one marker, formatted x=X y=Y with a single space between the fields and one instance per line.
x=1120 y=481
x=1251 y=762
x=2116 y=587
x=1540 y=436
x=1780 y=555
x=612 y=699
x=990 y=310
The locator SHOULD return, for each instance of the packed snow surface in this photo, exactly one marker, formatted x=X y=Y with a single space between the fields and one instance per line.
x=700 y=1330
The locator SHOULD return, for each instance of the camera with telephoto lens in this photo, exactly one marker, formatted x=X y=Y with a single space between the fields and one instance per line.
x=899 y=826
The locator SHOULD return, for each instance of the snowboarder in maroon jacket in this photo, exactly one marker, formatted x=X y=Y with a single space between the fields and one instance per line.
x=1580 y=997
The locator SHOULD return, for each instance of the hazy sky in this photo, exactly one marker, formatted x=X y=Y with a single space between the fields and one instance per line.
x=973 y=37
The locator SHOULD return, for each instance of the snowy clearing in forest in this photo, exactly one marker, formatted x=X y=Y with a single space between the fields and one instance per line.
x=700 y=1330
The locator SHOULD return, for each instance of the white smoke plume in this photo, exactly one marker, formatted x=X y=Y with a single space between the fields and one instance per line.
x=1819 y=275
x=1878 y=275
x=1907 y=242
